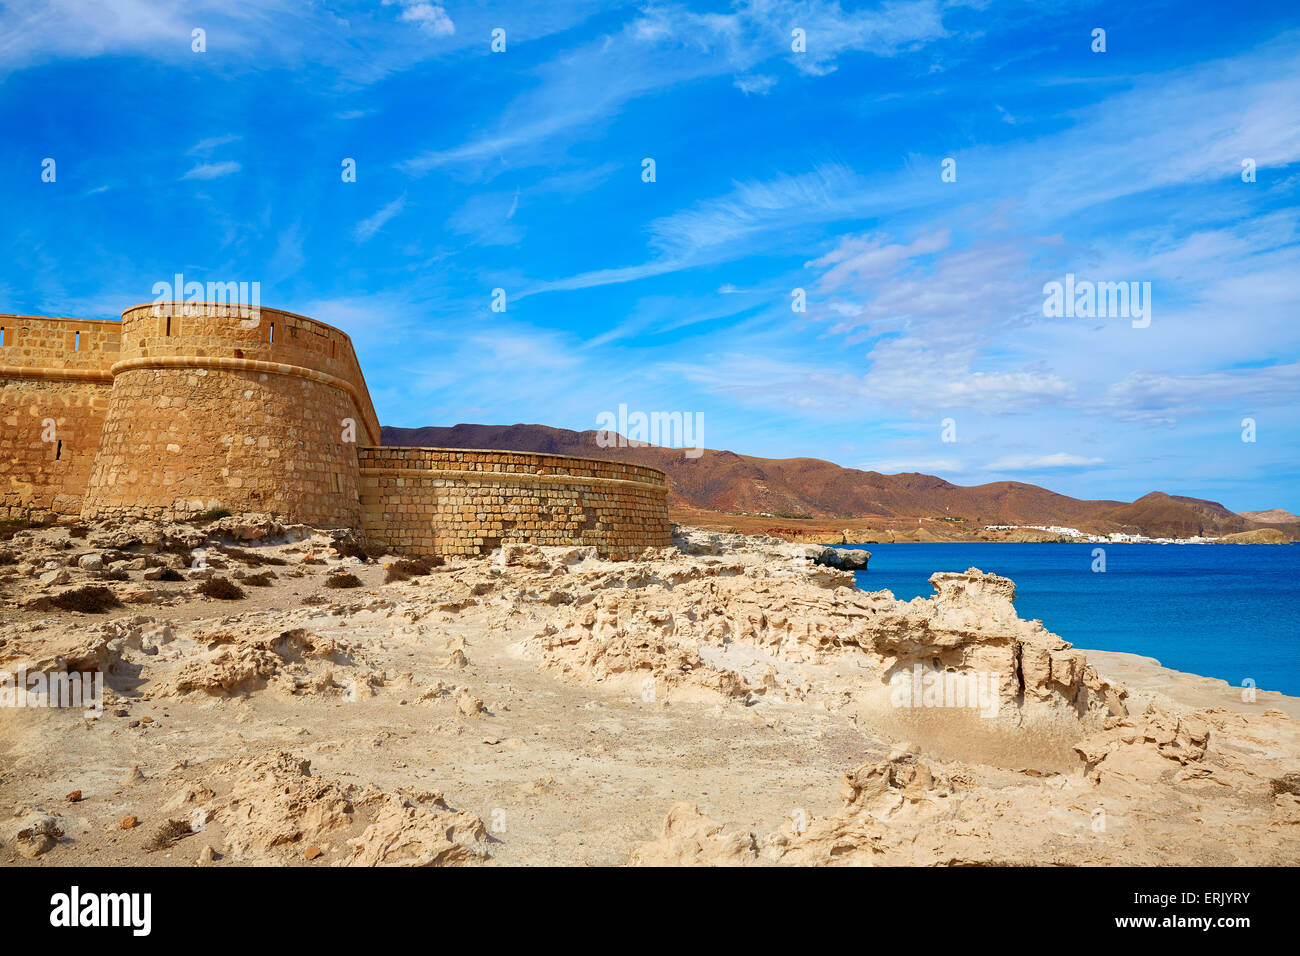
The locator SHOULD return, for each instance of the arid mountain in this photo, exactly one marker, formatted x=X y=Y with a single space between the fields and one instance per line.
x=723 y=481
x=1175 y=516
x=1272 y=516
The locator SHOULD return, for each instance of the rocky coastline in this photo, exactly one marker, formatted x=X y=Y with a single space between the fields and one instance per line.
x=729 y=700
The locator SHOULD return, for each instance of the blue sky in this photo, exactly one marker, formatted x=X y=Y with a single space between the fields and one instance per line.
x=775 y=170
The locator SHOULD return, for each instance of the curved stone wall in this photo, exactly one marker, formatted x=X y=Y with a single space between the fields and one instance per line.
x=54 y=391
x=186 y=407
x=457 y=502
x=211 y=410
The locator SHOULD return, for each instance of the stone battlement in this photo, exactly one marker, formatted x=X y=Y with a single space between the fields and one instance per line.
x=467 y=501
x=181 y=408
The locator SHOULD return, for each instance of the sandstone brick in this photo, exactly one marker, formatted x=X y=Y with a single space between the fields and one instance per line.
x=165 y=416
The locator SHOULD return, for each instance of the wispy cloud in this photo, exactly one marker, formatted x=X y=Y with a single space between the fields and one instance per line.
x=487 y=219
x=213 y=170
x=1039 y=462
x=366 y=229
x=666 y=45
x=898 y=466
x=204 y=146
x=777 y=170
x=1165 y=398
x=759 y=83
x=430 y=17
x=348 y=38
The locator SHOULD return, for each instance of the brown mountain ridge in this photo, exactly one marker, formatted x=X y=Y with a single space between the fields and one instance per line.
x=777 y=491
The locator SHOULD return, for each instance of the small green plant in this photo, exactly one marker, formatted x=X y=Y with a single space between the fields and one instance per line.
x=92 y=599
x=221 y=589
x=213 y=514
x=343 y=581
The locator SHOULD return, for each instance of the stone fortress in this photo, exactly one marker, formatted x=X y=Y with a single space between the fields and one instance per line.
x=175 y=411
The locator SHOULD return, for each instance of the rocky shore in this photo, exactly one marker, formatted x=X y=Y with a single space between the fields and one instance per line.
x=285 y=696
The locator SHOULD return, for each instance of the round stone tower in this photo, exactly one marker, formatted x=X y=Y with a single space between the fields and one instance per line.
x=210 y=408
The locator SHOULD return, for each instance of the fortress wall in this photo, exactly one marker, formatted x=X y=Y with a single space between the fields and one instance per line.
x=51 y=370
x=211 y=411
x=272 y=336
x=177 y=410
x=458 y=502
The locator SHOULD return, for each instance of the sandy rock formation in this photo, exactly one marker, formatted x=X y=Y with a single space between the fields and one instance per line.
x=406 y=833
x=696 y=542
x=690 y=838
x=718 y=624
x=272 y=807
x=587 y=697
x=38 y=832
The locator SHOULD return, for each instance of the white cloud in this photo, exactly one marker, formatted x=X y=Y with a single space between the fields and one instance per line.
x=1209 y=116
x=430 y=17
x=667 y=45
x=755 y=83
x=898 y=466
x=525 y=350
x=913 y=380
x=212 y=170
x=366 y=228
x=1032 y=462
x=1161 y=398
x=204 y=146
x=829 y=191
x=868 y=258
x=344 y=36
x=486 y=218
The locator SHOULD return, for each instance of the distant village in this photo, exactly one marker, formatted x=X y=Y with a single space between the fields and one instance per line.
x=1115 y=538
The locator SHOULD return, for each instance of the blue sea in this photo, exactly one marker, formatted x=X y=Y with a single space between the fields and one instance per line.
x=1227 y=611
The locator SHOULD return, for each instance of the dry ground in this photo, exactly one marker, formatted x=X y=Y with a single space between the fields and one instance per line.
x=449 y=718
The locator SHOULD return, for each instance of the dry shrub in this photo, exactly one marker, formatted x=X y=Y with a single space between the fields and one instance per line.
x=407 y=568
x=365 y=550
x=92 y=599
x=11 y=526
x=168 y=833
x=221 y=589
x=253 y=559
